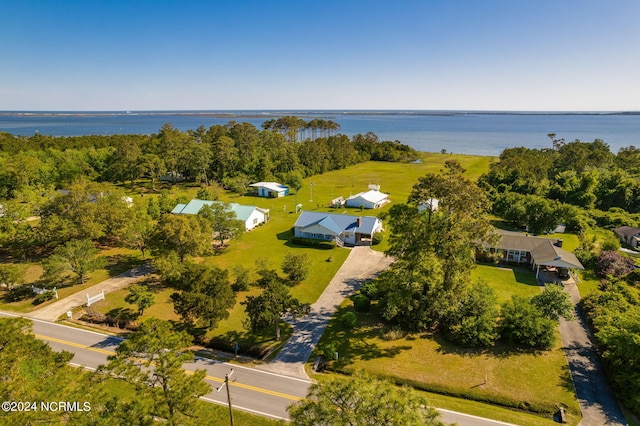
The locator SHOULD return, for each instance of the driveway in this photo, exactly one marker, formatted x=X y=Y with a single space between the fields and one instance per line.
x=597 y=402
x=361 y=265
x=53 y=311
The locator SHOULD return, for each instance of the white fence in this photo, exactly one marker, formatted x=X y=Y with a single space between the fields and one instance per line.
x=93 y=299
x=38 y=290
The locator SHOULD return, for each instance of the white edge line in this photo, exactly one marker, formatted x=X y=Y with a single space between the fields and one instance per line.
x=73 y=364
x=260 y=413
x=475 y=417
x=254 y=369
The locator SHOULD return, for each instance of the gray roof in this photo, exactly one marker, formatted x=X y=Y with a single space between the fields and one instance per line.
x=627 y=231
x=543 y=250
x=338 y=222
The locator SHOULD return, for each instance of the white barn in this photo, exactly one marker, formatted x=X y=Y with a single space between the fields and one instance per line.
x=371 y=199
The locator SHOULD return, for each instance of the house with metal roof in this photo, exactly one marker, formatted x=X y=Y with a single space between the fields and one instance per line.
x=342 y=228
x=371 y=199
x=252 y=216
x=517 y=247
x=270 y=189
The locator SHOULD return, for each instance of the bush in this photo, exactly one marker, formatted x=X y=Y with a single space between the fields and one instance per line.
x=41 y=298
x=369 y=289
x=394 y=333
x=310 y=242
x=361 y=303
x=348 y=320
x=18 y=293
x=377 y=238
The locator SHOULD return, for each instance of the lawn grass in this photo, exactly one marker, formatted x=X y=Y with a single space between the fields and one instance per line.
x=533 y=381
x=507 y=281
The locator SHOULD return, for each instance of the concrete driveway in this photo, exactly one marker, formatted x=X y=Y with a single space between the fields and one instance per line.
x=361 y=264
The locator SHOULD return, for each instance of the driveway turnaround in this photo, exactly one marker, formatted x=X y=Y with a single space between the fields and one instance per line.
x=361 y=265
x=598 y=404
x=53 y=311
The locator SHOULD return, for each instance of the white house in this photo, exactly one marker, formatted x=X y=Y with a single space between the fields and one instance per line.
x=270 y=189
x=371 y=199
x=430 y=204
x=342 y=228
x=252 y=216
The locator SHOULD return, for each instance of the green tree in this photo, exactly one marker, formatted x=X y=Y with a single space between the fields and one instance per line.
x=10 y=276
x=362 y=400
x=554 y=302
x=296 y=267
x=222 y=220
x=205 y=295
x=266 y=309
x=524 y=325
x=474 y=321
x=186 y=236
x=30 y=371
x=75 y=260
x=151 y=360
x=139 y=296
x=435 y=249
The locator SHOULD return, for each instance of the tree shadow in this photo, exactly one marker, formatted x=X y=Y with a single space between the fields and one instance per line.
x=120 y=263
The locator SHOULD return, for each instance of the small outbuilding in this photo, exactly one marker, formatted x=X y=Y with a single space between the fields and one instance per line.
x=372 y=199
x=270 y=189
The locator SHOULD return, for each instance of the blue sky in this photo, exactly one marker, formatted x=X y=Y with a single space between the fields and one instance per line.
x=581 y=55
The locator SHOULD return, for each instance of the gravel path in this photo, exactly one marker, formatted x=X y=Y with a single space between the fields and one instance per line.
x=361 y=264
x=53 y=311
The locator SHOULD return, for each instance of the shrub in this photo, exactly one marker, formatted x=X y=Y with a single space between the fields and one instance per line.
x=18 y=293
x=361 y=303
x=394 y=333
x=370 y=289
x=41 y=298
x=613 y=263
x=310 y=242
x=377 y=238
x=348 y=320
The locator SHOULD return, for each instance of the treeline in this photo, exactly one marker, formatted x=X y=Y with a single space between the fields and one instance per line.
x=580 y=183
x=234 y=155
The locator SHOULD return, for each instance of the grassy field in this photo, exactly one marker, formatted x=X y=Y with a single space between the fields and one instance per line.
x=532 y=381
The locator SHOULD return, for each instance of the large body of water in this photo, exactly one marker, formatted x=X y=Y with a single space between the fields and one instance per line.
x=479 y=133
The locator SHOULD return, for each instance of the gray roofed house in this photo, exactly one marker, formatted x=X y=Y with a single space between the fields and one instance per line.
x=628 y=235
x=371 y=199
x=536 y=251
x=343 y=228
x=252 y=216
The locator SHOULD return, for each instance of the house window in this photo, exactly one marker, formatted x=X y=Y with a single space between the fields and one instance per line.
x=307 y=234
x=255 y=220
x=516 y=256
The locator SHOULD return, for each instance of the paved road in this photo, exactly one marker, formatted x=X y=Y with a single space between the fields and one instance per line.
x=361 y=264
x=53 y=311
x=597 y=402
x=259 y=392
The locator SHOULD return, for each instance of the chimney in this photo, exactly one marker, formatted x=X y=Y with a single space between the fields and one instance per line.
x=558 y=243
x=358 y=222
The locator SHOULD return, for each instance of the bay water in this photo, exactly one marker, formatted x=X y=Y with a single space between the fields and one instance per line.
x=461 y=132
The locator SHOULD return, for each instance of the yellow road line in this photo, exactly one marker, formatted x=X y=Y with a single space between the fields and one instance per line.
x=211 y=378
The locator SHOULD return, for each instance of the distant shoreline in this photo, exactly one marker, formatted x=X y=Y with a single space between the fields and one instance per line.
x=256 y=114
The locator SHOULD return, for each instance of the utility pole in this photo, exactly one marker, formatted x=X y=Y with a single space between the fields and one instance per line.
x=311 y=191
x=226 y=382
